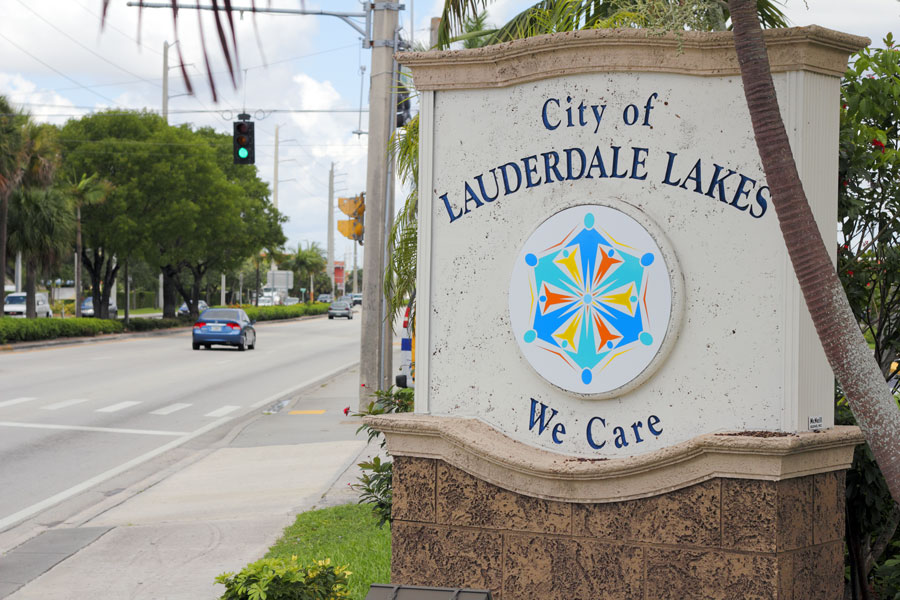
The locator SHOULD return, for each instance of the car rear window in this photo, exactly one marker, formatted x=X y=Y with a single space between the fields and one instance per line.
x=221 y=313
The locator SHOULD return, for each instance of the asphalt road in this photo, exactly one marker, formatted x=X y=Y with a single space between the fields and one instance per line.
x=74 y=416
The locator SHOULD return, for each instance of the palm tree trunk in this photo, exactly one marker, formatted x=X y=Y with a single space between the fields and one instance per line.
x=850 y=357
x=78 y=261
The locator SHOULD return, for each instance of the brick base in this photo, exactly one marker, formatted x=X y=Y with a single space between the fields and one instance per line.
x=724 y=538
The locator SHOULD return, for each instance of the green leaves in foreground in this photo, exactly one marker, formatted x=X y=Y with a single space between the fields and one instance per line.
x=286 y=579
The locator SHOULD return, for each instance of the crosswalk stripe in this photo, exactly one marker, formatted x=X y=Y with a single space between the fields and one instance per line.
x=64 y=404
x=15 y=401
x=167 y=410
x=221 y=412
x=119 y=406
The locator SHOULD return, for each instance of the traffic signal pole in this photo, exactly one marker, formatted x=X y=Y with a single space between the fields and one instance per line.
x=375 y=362
x=331 y=227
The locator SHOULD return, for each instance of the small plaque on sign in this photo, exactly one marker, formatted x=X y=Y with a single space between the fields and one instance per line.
x=815 y=423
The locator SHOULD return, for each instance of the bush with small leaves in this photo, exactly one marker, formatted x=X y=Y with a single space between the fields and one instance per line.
x=286 y=579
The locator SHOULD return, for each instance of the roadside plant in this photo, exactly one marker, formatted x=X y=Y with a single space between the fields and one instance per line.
x=375 y=486
x=869 y=268
x=286 y=579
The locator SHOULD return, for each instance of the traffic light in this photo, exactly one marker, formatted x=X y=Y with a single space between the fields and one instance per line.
x=244 y=153
x=355 y=208
x=403 y=105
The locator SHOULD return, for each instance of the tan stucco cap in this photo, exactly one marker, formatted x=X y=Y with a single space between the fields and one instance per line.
x=485 y=452
x=811 y=48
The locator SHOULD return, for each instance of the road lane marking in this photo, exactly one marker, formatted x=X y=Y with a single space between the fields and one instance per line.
x=15 y=401
x=221 y=412
x=64 y=404
x=306 y=412
x=46 y=503
x=167 y=410
x=86 y=428
x=118 y=407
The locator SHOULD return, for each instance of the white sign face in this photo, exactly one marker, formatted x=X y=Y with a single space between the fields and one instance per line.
x=590 y=300
x=535 y=328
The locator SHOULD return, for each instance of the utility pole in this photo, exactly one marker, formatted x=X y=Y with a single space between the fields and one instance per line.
x=331 y=226
x=165 y=115
x=275 y=178
x=375 y=362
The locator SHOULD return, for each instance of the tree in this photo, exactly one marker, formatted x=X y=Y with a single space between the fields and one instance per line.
x=12 y=159
x=306 y=263
x=215 y=216
x=39 y=161
x=88 y=191
x=41 y=228
x=115 y=146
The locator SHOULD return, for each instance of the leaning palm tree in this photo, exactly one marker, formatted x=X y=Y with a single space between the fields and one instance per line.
x=87 y=191
x=41 y=228
x=848 y=353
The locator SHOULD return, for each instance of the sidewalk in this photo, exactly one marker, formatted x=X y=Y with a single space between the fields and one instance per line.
x=171 y=540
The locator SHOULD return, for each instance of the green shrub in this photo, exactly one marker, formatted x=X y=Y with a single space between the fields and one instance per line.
x=272 y=313
x=24 y=330
x=151 y=324
x=285 y=579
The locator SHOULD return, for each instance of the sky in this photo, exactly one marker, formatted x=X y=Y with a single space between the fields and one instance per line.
x=57 y=62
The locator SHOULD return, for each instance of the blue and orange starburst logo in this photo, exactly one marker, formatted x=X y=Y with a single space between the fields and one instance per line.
x=590 y=298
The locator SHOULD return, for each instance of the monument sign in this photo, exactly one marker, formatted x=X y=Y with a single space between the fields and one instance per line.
x=613 y=353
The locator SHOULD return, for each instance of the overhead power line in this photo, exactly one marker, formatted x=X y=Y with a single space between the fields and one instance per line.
x=73 y=40
x=57 y=71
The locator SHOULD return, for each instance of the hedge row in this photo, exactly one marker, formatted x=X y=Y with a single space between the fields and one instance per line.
x=271 y=313
x=23 y=330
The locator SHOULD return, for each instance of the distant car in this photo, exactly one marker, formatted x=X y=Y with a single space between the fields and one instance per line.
x=340 y=309
x=291 y=300
x=87 y=308
x=325 y=298
x=201 y=306
x=14 y=305
x=357 y=299
x=224 y=327
x=266 y=301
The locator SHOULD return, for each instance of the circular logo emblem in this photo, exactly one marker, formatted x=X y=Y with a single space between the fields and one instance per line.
x=591 y=300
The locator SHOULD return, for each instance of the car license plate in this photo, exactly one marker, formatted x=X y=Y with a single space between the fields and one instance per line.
x=215 y=327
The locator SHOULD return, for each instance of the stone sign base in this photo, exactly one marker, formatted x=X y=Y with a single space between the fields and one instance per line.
x=741 y=515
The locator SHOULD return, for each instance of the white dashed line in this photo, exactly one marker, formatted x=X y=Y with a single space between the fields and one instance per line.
x=221 y=412
x=168 y=410
x=119 y=406
x=15 y=401
x=64 y=404
x=84 y=428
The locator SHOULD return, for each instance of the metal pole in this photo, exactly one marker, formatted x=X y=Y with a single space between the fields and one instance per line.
x=161 y=301
x=275 y=184
x=355 y=272
x=381 y=116
x=222 y=295
x=331 y=226
x=18 y=273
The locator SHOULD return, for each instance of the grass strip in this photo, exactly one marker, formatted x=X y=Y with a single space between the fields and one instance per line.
x=348 y=535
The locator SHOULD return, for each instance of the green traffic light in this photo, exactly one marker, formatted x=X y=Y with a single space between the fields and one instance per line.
x=243 y=152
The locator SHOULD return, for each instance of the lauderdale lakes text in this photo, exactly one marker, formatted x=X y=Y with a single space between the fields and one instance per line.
x=614 y=162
